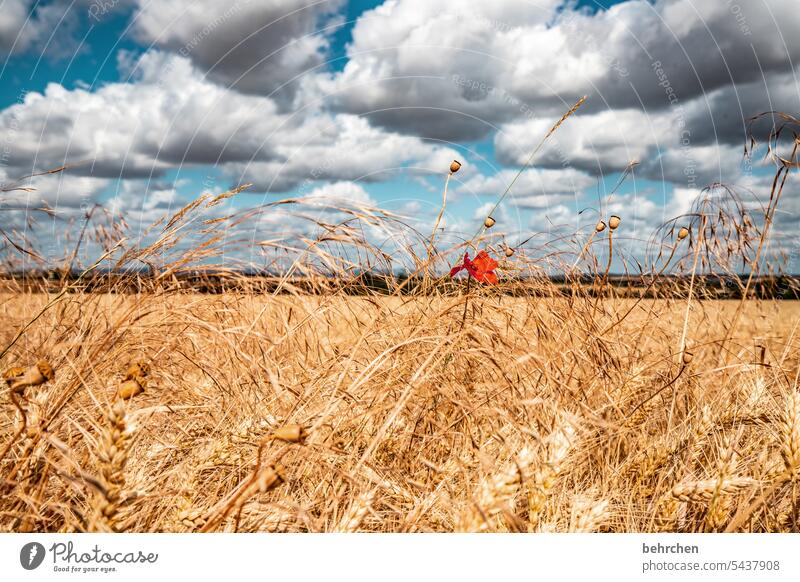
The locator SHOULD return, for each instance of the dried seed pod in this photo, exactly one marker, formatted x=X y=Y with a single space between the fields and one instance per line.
x=455 y=166
x=34 y=376
x=613 y=222
x=687 y=357
x=291 y=433
x=489 y=222
x=270 y=477
x=131 y=387
x=600 y=226
x=140 y=369
x=683 y=233
x=509 y=252
x=12 y=374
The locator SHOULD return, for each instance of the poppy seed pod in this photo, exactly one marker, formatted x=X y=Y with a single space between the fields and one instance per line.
x=489 y=222
x=509 y=252
x=34 y=376
x=600 y=226
x=270 y=477
x=455 y=166
x=12 y=374
x=131 y=387
x=291 y=433
x=683 y=233
x=137 y=370
x=687 y=357
x=614 y=221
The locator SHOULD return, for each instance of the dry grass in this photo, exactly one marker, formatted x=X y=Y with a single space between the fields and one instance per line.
x=522 y=419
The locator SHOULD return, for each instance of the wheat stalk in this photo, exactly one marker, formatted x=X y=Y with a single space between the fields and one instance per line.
x=113 y=458
x=790 y=429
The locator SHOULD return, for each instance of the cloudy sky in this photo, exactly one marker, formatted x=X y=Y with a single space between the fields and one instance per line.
x=367 y=102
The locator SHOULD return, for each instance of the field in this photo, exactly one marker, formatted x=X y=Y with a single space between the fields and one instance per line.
x=467 y=411
x=448 y=397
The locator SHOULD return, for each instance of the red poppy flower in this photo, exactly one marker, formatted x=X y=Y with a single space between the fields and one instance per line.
x=481 y=268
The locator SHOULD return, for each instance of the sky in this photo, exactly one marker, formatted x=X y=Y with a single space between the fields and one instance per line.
x=366 y=103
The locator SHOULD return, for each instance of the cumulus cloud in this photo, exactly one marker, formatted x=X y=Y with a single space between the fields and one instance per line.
x=690 y=144
x=348 y=193
x=64 y=192
x=721 y=116
x=340 y=147
x=115 y=131
x=142 y=202
x=432 y=67
x=13 y=15
x=535 y=188
x=171 y=116
x=541 y=55
x=695 y=166
x=256 y=47
x=51 y=28
x=601 y=142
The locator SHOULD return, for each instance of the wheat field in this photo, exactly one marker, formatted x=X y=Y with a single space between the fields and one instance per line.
x=469 y=412
x=373 y=387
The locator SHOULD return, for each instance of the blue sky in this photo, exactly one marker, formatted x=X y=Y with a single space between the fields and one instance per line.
x=384 y=110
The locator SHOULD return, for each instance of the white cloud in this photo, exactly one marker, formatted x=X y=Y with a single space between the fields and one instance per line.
x=455 y=70
x=535 y=188
x=600 y=142
x=695 y=166
x=347 y=193
x=255 y=46
x=64 y=191
x=170 y=116
x=50 y=28
x=340 y=147
x=13 y=14
x=116 y=131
